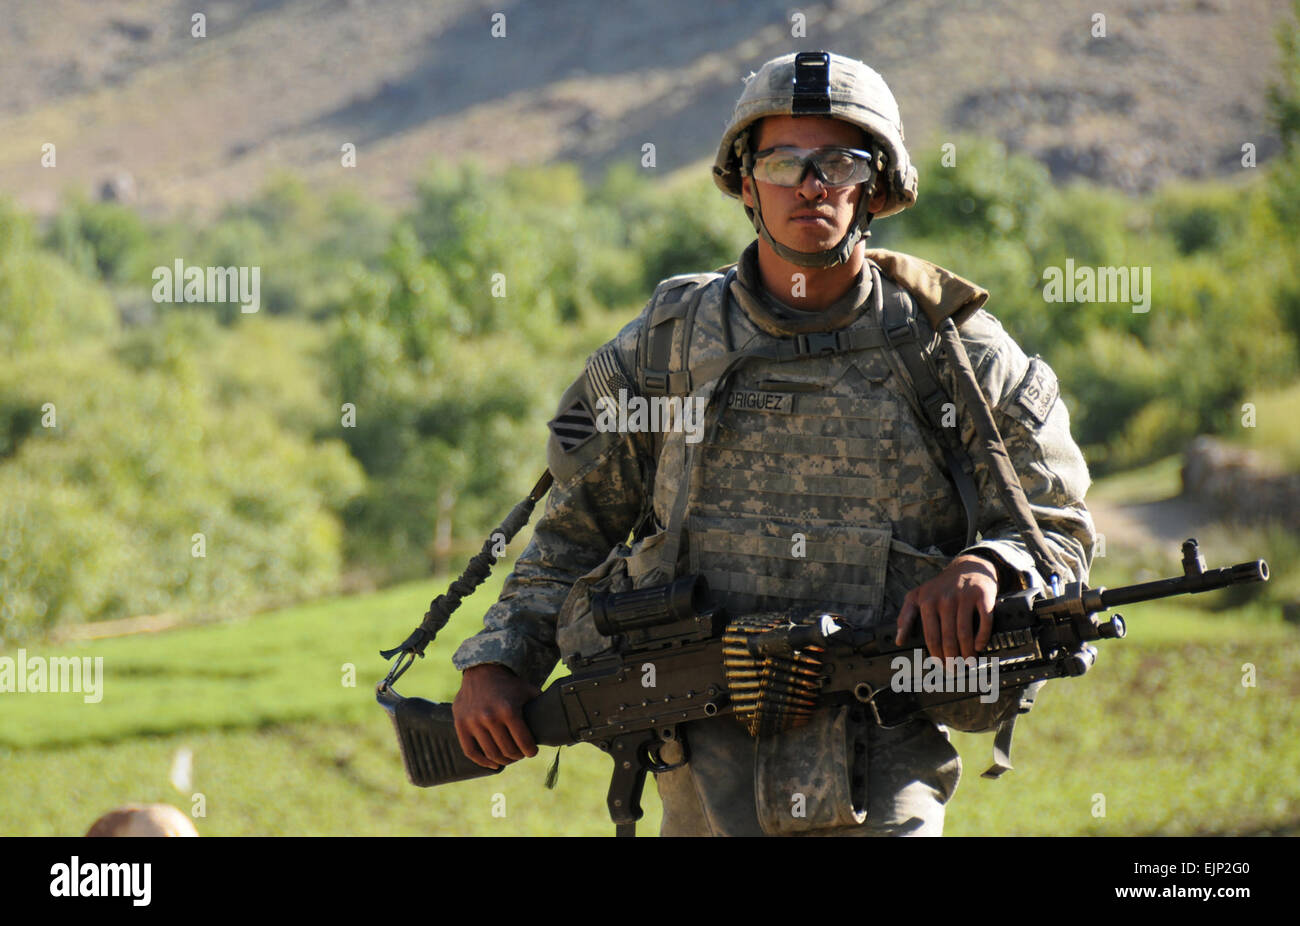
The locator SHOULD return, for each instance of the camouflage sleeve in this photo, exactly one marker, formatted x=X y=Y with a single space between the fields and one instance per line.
x=600 y=482
x=1035 y=427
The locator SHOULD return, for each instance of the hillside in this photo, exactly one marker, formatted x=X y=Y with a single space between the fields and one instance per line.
x=131 y=100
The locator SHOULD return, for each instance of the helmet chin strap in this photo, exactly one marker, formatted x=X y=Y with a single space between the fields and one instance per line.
x=831 y=257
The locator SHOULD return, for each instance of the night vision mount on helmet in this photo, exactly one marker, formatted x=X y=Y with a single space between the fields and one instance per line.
x=820 y=84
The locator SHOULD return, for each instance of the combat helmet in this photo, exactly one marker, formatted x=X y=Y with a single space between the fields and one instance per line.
x=820 y=84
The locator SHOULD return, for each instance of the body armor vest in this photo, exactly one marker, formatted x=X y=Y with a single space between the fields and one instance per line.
x=815 y=486
x=829 y=476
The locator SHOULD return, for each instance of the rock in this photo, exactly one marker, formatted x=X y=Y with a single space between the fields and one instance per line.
x=1240 y=484
x=119 y=188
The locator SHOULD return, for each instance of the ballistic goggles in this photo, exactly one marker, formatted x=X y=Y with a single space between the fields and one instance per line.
x=832 y=165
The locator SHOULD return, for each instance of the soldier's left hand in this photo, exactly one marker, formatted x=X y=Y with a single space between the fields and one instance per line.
x=951 y=605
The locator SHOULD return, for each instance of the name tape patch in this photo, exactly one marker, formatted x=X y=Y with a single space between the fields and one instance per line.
x=757 y=400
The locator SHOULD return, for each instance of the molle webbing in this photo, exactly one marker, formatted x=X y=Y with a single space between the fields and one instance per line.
x=669 y=334
x=657 y=379
x=813 y=344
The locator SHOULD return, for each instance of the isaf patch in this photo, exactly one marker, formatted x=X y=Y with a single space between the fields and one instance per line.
x=574 y=426
x=1038 y=391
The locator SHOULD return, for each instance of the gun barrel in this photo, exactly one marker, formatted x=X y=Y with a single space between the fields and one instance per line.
x=1209 y=580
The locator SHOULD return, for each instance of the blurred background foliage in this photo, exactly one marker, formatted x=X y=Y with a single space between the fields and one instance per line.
x=388 y=404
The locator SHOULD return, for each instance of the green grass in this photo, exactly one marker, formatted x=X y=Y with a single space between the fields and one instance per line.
x=280 y=667
x=323 y=778
x=1162 y=727
x=1274 y=430
x=1165 y=732
x=1155 y=481
x=280 y=744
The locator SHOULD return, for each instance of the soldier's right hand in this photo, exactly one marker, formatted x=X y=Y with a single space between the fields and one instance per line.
x=489 y=717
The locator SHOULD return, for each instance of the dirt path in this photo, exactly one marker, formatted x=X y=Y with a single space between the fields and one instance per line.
x=1163 y=524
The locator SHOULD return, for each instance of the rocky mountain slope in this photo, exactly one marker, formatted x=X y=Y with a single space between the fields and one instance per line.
x=133 y=100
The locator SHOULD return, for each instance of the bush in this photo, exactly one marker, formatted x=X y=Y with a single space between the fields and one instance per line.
x=695 y=228
x=44 y=302
x=181 y=419
x=99 y=239
x=985 y=196
x=98 y=513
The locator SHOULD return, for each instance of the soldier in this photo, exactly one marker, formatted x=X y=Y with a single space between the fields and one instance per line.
x=826 y=472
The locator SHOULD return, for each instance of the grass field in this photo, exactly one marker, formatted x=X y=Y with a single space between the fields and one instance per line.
x=1163 y=729
x=280 y=744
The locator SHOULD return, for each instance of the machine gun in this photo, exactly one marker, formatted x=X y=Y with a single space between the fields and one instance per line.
x=676 y=659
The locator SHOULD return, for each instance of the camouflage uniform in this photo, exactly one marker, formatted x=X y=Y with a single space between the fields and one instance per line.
x=827 y=447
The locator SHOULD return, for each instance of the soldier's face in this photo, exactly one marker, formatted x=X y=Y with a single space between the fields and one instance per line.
x=812 y=216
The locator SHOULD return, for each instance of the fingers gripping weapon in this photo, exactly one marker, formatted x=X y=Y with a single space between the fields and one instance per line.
x=677 y=660
x=1036 y=635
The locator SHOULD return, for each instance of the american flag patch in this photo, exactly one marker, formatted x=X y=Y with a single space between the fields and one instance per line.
x=606 y=376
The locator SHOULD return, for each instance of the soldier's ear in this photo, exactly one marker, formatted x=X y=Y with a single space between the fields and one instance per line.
x=877 y=201
x=746 y=191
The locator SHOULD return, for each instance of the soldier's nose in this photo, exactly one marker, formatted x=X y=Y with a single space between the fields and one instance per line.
x=812 y=188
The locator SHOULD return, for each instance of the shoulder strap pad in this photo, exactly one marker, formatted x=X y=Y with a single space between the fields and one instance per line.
x=669 y=320
x=939 y=293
